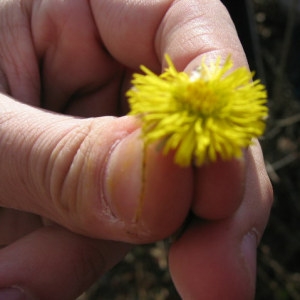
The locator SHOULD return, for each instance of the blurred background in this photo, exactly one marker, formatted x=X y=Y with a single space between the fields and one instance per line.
x=270 y=33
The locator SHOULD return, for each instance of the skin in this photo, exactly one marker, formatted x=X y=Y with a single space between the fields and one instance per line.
x=68 y=196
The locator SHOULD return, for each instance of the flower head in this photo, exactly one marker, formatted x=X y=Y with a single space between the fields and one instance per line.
x=214 y=113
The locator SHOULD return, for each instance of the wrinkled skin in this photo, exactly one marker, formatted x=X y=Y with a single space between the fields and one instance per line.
x=71 y=174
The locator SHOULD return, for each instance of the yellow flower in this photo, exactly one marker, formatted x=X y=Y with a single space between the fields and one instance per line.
x=214 y=113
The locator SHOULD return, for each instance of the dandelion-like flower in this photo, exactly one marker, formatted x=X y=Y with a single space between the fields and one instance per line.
x=213 y=113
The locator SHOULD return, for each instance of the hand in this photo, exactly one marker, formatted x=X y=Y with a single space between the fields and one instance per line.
x=85 y=174
x=217 y=258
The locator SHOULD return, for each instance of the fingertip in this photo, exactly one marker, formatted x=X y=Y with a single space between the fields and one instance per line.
x=219 y=189
x=146 y=190
x=168 y=193
x=123 y=177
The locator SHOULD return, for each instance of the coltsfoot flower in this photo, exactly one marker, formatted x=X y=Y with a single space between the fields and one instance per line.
x=213 y=113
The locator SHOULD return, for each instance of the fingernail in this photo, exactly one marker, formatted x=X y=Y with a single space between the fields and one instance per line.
x=13 y=293
x=123 y=178
x=249 y=248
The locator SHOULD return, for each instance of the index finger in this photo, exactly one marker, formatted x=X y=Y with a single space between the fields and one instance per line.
x=141 y=32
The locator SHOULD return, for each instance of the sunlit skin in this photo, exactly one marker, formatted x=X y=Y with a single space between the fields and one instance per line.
x=71 y=171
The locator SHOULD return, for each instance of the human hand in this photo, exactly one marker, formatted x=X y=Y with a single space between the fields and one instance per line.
x=217 y=258
x=77 y=58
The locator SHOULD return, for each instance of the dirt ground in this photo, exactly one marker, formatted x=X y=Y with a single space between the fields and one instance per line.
x=271 y=38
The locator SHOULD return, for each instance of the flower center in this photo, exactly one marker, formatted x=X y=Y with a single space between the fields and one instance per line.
x=198 y=97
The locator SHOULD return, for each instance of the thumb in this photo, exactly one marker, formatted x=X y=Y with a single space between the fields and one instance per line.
x=89 y=175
